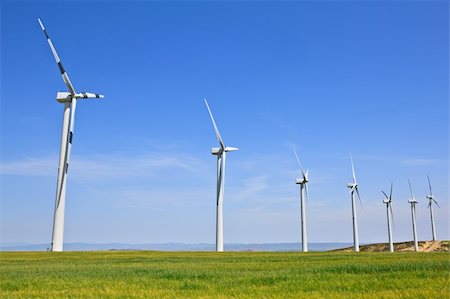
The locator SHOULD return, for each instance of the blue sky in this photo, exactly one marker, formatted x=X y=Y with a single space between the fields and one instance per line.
x=325 y=77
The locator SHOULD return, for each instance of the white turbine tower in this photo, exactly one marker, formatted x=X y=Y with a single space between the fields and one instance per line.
x=413 y=202
x=69 y=99
x=220 y=152
x=354 y=188
x=303 y=182
x=390 y=214
x=430 y=206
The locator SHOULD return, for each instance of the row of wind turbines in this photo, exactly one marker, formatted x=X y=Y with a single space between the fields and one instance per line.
x=353 y=186
x=69 y=99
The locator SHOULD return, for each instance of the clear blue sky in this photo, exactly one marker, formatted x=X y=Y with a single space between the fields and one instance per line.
x=325 y=77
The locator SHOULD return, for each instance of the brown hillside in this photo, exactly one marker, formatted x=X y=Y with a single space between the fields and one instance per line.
x=424 y=246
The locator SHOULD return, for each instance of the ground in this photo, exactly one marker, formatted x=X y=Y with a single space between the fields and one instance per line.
x=147 y=274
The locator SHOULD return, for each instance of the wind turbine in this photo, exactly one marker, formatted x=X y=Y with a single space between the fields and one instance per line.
x=430 y=206
x=413 y=202
x=303 y=191
x=69 y=99
x=354 y=188
x=220 y=152
x=388 y=202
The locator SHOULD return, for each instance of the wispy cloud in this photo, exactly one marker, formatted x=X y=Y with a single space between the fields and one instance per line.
x=419 y=162
x=402 y=161
x=252 y=188
x=30 y=166
x=105 y=166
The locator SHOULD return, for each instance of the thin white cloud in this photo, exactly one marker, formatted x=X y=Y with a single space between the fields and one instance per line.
x=419 y=162
x=403 y=161
x=252 y=188
x=105 y=166
x=29 y=166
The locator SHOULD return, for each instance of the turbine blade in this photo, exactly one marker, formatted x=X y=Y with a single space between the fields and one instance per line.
x=298 y=161
x=385 y=195
x=436 y=203
x=219 y=177
x=410 y=189
x=390 y=194
x=429 y=185
x=89 y=95
x=392 y=216
x=68 y=148
x=219 y=138
x=353 y=169
x=306 y=193
x=359 y=197
x=64 y=74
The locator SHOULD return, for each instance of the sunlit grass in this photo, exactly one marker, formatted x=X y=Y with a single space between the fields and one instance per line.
x=230 y=274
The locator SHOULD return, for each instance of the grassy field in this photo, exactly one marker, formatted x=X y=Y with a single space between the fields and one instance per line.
x=230 y=274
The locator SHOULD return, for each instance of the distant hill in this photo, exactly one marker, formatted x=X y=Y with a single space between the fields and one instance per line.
x=175 y=247
x=424 y=246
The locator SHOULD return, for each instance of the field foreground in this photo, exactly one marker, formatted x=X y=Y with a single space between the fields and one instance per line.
x=230 y=274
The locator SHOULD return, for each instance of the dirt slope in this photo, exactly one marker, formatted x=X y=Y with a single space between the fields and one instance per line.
x=424 y=246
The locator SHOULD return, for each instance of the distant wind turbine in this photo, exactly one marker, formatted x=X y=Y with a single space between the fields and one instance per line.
x=303 y=182
x=220 y=152
x=413 y=202
x=430 y=206
x=69 y=99
x=390 y=214
x=354 y=188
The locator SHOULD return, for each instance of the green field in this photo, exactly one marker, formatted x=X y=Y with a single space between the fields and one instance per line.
x=238 y=274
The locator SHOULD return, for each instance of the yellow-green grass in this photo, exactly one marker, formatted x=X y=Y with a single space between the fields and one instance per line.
x=149 y=274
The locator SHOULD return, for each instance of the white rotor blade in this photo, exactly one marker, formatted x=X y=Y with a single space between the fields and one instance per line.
x=436 y=203
x=390 y=194
x=298 y=161
x=359 y=197
x=306 y=193
x=429 y=185
x=68 y=146
x=219 y=178
x=353 y=169
x=385 y=195
x=215 y=126
x=64 y=74
x=410 y=189
x=392 y=216
x=89 y=95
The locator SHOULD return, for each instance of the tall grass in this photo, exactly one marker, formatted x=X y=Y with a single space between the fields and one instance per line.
x=220 y=275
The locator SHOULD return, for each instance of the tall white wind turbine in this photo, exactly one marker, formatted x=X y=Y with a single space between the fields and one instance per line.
x=69 y=99
x=220 y=152
x=390 y=216
x=430 y=206
x=354 y=188
x=413 y=202
x=303 y=182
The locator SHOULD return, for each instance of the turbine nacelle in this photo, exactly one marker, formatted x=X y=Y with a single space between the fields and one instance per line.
x=412 y=200
x=66 y=97
x=216 y=151
x=300 y=181
x=352 y=186
x=304 y=178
